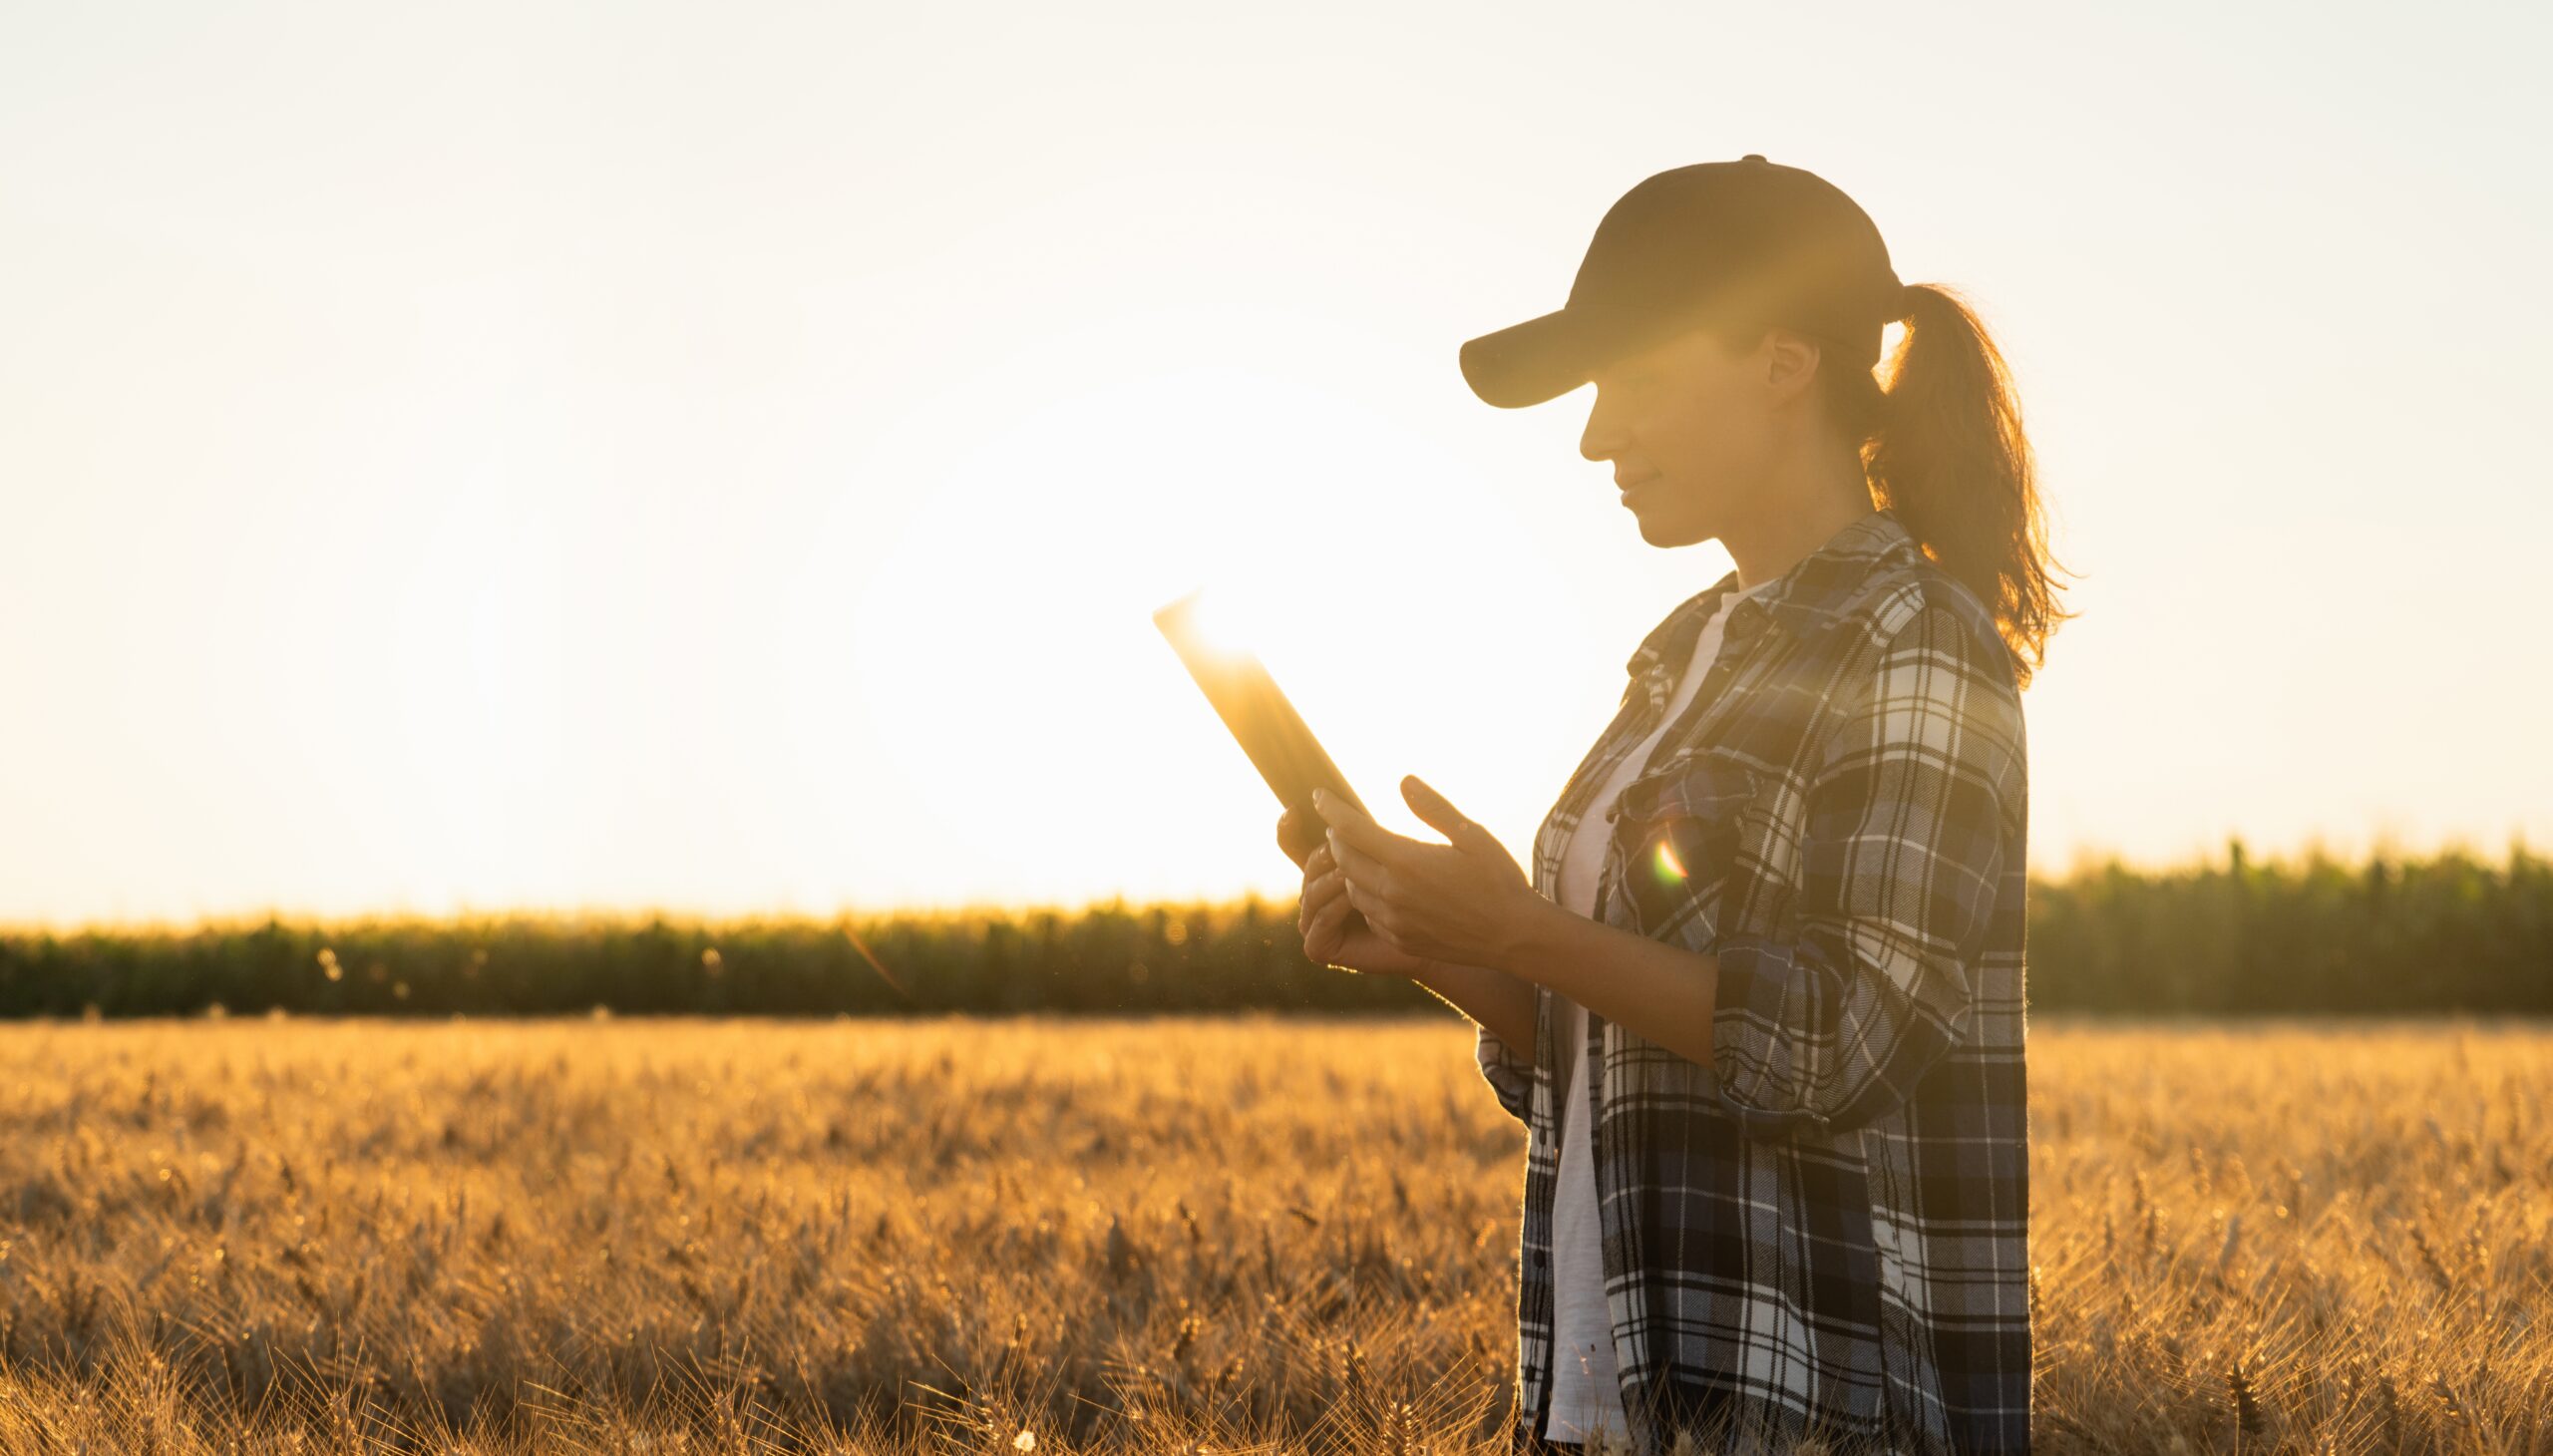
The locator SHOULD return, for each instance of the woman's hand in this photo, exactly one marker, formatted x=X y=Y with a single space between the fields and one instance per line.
x=1466 y=901
x=1328 y=937
x=1331 y=940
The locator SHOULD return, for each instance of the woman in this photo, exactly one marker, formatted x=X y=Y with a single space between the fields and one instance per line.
x=1759 y=1004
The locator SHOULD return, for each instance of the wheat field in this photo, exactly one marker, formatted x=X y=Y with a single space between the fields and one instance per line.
x=1161 y=1236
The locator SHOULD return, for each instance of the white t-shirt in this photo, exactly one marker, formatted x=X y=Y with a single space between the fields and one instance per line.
x=1586 y=1378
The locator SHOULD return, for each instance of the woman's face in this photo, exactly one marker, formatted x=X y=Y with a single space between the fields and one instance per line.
x=1690 y=429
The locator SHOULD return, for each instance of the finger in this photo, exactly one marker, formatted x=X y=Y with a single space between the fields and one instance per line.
x=1329 y=923
x=1298 y=833
x=1354 y=862
x=1328 y=935
x=1368 y=849
x=1319 y=862
x=1333 y=883
x=1436 y=811
x=1320 y=890
x=1347 y=818
x=1308 y=901
x=1361 y=896
x=1343 y=911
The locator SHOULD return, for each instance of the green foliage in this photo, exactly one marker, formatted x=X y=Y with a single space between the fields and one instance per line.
x=1107 y=957
x=2446 y=934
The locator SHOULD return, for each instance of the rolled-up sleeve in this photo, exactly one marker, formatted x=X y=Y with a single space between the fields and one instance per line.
x=1510 y=1076
x=1834 y=1024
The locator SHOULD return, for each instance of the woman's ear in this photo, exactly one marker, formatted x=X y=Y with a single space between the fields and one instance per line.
x=1789 y=362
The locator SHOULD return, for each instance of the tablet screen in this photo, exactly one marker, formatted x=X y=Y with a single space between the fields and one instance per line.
x=1280 y=744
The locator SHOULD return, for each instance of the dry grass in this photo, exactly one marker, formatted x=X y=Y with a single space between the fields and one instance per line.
x=1259 y=1233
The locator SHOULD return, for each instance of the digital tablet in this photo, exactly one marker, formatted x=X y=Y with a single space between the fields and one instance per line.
x=1262 y=720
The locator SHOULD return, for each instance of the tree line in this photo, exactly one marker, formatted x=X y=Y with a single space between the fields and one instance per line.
x=2447 y=932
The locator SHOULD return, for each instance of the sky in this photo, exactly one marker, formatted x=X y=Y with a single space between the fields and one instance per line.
x=723 y=458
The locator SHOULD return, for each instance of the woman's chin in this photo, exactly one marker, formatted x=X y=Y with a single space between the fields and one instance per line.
x=1663 y=528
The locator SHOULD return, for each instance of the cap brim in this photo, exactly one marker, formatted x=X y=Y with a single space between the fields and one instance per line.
x=1540 y=359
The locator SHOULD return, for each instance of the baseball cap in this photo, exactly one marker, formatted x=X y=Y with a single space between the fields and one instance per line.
x=1748 y=242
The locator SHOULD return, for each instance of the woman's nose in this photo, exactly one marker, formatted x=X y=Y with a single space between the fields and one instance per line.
x=1598 y=441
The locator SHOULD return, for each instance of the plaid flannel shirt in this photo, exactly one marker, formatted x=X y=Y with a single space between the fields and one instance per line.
x=1827 y=1229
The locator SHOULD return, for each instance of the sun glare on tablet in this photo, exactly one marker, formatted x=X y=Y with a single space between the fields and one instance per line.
x=1229 y=618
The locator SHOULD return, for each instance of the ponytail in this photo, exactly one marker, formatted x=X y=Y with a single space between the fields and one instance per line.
x=1943 y=447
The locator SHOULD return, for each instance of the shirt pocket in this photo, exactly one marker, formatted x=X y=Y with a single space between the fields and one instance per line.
x=1675 y=836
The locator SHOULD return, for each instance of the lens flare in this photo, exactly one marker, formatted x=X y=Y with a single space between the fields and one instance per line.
x=1668 y=866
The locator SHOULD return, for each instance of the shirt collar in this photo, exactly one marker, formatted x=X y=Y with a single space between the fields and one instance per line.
x=1816 y=592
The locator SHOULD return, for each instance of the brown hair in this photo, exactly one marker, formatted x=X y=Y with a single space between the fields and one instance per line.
x=1942 y=444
